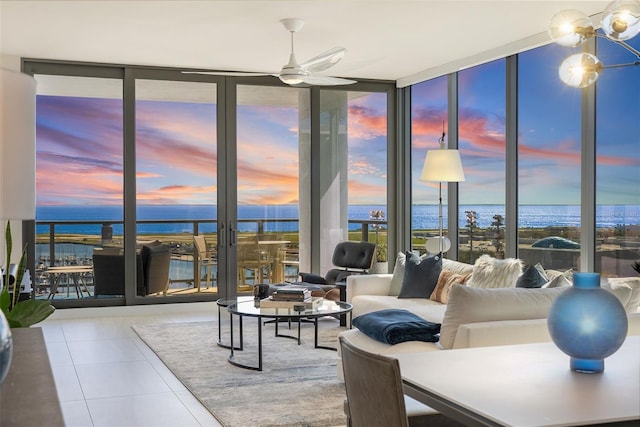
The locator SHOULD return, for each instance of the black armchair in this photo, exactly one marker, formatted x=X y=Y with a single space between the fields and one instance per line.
x=349 y=258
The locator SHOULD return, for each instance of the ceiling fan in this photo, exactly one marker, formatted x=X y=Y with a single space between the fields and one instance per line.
x=294 y=73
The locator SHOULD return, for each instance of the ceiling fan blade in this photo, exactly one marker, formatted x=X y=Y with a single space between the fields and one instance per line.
x=324 y=60
x=320 y=80
x=228 y=73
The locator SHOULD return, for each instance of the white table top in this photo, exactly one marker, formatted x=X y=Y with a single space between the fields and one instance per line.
x=527 y=385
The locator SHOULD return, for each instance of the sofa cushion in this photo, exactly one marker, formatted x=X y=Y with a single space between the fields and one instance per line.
x=446 y=280
x=533 y=276
x=393 y=326
x=425 y=308
x=471 y=305
x=489 y=272
x=420 y=276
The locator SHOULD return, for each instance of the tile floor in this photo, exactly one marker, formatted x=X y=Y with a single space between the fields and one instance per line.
x=107 y=377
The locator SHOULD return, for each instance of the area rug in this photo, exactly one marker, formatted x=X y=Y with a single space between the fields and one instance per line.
x=297 y=387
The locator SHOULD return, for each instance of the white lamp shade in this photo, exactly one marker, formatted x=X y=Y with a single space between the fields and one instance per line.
x=442 y=165
x=17 y=145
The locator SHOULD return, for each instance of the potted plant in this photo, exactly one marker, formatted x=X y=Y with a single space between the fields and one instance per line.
x=20 y=314
x=380 y=264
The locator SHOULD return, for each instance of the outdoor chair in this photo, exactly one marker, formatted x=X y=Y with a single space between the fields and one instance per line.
x=375 y=397
x=206 y=259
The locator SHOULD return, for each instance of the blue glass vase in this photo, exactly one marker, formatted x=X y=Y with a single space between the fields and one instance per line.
x=6 y=346
x=588 y=323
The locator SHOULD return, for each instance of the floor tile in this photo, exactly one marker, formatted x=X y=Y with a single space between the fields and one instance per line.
x=59 y=354
x=152 y=410
x=67 y=383
x=107 y=376
x=119 y=379
x=76 y=414
x=204 y=417
x=104 y=351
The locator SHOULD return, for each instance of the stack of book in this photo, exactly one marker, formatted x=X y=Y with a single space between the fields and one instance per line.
x=291 y=294
x=290 y=297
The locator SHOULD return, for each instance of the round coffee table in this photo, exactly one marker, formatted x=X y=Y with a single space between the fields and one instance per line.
x=251 y=308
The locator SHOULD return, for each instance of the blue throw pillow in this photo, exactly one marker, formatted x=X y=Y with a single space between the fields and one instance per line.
x=420 y=276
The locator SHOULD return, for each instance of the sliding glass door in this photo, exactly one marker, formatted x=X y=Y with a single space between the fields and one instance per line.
x=176 y=187
x=272 y=184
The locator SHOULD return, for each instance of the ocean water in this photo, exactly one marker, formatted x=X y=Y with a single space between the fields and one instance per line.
x=422 y=216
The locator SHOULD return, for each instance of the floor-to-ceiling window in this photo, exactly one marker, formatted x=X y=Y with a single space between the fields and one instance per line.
x=428 y=122
x=353 y=172
x=176 y=186
x=79 y=181
x=617 y=162
x=549 y=147
x=482 y=145
x=272 y=209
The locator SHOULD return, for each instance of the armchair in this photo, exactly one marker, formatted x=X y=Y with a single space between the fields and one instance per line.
x=349 y=258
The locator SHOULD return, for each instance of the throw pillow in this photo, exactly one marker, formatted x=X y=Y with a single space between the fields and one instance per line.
x=633 y=283
x=473 y=305
x=446 y=280
x=533 y=276
x=398 y=274
x=420 y=276
x=563 y=279
x=489 y=272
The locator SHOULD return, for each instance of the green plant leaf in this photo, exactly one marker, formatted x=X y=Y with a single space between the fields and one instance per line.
x=5 y=300
x=29 y=312
x=9 y=246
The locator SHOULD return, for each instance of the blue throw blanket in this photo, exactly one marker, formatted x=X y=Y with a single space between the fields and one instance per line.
x=394 y=326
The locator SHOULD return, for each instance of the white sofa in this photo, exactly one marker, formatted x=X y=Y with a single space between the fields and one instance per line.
x=473 y=317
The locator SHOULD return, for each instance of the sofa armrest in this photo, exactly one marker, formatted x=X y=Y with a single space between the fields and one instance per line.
x=368 y=284
x=502 y=332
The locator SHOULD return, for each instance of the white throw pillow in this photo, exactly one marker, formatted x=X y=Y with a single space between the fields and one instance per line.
x=559 y=280
x=473 y=305
x=489 y=272
x=617 y=284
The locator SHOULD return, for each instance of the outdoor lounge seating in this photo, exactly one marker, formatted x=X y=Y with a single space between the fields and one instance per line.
x=152 y=268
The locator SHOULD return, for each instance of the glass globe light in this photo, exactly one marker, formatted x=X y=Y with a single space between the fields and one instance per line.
x=580 y=70
x=621 y=20
x=570 y=28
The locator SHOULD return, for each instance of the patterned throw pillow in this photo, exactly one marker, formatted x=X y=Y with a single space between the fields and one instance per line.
x=446 y=280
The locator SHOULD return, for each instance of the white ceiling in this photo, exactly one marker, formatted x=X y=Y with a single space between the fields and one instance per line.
x=406 y=41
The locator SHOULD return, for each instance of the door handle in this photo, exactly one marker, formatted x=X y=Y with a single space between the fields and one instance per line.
x=221 y=235
x=233 y=235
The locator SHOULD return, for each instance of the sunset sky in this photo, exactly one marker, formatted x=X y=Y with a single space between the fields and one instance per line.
x=79 y=142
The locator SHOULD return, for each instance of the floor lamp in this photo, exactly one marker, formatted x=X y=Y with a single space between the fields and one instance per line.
x=442 y=165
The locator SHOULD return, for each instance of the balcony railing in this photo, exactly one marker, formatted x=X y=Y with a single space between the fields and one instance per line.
x=84 y=236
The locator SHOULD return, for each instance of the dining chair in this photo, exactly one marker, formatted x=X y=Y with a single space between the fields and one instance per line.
x=206 y=259
x=375 y=396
